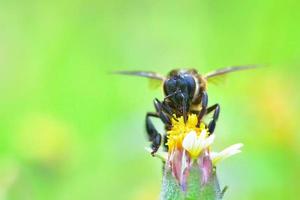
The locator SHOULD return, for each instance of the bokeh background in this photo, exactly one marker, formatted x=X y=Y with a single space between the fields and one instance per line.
x=70 y=130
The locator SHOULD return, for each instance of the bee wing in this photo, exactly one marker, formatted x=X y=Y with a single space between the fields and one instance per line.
x=147 y=74
x=217 y=80
x=156 y=79
x=221 y=72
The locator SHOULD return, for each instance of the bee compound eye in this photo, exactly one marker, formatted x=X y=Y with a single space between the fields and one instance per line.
x=170 y=85
x=191 y=83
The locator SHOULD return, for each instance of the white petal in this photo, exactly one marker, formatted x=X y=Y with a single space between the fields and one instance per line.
x=213 y=155
x=229 y=151
x=198 y=142
x=232 y=148
x=203 y=135
x=189 y=140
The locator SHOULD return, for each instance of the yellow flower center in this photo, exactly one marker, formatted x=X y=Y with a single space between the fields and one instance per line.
x=180 y=130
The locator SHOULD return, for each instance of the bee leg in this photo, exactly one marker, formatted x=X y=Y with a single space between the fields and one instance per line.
x=157 y=105
x=212 y=123
x=204 y=102
x=165 y=140
x=184 y=109
x=162 y=106
x=162 y=113
x=152 y=133
x=211 y=108
x=168 y=110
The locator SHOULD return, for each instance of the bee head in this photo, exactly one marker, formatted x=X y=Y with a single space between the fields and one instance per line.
x=180 y=89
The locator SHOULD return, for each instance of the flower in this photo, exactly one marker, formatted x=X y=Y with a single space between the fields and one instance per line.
x=196 y=140
x=189 y=157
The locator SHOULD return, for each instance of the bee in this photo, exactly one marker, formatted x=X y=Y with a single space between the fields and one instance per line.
x=184 y=93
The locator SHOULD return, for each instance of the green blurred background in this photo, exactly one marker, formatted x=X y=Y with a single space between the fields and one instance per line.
x=69 y=130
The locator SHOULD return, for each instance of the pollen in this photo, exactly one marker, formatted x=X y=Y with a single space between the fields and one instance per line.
x=180 y=129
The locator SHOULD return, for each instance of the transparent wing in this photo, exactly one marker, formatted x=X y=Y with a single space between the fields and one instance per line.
x=221 y=72
x=155 y=79
x=154 y=84
x=218 y=80
x=147 y=74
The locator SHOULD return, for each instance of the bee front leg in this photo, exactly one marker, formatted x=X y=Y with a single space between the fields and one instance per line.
x=212 y=123
x=152 y=133
x=163 y=112
x=204 y=102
